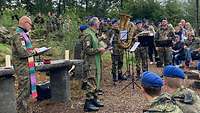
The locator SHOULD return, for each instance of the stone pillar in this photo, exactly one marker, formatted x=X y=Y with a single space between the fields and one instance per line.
x=60 y=85
x=7 y=94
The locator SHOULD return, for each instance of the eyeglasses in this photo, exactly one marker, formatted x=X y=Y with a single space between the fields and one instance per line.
x=29 y=23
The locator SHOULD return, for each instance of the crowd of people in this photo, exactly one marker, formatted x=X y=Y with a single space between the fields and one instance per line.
x=170 y=48
x=173 y=50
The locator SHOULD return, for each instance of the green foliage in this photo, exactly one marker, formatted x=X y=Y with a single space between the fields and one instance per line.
x=6 y=18
x=174 y=11
x=4 y=50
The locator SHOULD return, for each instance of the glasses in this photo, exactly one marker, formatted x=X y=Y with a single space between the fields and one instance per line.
x=29 y=23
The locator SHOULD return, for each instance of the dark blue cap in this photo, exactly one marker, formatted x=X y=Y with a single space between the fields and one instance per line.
x=138 y=22
x=114 y=21
x=151 y=80
x=173 y=71
x=83 y=27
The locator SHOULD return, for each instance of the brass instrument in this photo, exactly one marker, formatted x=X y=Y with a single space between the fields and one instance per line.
x=126 y=25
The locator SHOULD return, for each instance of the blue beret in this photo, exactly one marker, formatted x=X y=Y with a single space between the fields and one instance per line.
x=113 y=21
x=150 y=79
x=138 y=22
x=83 y=27
x=173 y=71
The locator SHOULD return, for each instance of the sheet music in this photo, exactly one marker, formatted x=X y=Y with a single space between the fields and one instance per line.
x=111 y=39
x=123 y=35
x=136 y=44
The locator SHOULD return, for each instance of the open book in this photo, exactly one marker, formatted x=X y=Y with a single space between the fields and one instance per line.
x=42 y=50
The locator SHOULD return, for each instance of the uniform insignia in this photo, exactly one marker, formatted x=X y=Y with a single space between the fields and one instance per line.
x=23 y=43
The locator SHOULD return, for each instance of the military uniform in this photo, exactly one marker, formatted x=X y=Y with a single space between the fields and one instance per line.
x=91 y=55
x=187 y=100
x=116 y=55
x=92 y=68
x=165 y=52
x=20 y=62
x=162 y=104
x=141 y=57
x=49 y=24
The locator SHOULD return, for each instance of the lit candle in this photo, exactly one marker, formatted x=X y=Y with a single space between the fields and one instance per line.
x=8 y=62
x=66 y=54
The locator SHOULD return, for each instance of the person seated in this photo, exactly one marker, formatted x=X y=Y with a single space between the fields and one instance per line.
x=187 y=100
x=158 y=103
x=192 y=47
x=178 y=51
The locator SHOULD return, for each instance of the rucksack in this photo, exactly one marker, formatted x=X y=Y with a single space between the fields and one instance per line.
x=163 y=104
x=187 y=100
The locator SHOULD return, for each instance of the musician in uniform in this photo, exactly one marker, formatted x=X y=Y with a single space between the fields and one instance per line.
x=151 y=49
x=141 y=52
x=165 y=33
x=116 y=53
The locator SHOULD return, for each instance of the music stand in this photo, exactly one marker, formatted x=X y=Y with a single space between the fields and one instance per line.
x=146 y=41
x=164 y=43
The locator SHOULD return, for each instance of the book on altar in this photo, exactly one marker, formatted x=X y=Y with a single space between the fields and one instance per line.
x=43 y=49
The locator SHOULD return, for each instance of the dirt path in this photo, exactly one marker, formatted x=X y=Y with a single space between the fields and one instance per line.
x=131 y=101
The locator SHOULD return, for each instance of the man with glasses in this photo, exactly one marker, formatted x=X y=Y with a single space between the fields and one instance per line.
x=92 y=58
x=23 y=62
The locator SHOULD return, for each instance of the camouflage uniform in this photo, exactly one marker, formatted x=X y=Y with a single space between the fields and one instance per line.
x=50 y=24
x=187 y=100
x=116 y=54
x=90 y=69
x=20 y=62
x=141 y=57
x=165 y=52
x=163 y=104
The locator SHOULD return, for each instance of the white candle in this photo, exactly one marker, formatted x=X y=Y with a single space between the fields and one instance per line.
x=66 y=54
x=8 y=62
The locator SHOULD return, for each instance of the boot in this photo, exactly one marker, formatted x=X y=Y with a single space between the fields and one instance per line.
x=89 y=107
x=97 y=102
x=99 y=92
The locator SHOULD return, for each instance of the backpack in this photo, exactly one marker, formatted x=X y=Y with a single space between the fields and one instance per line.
x=187 y=100
x=163 y=104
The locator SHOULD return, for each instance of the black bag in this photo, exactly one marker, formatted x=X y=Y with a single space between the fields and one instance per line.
x=195 y=55
x=44 y=91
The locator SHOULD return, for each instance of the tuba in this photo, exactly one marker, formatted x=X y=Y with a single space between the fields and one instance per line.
x=126 y=25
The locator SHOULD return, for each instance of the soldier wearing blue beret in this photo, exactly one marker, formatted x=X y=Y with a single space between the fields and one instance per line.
x=185 y=98
x=159 y=103
x=83 y=27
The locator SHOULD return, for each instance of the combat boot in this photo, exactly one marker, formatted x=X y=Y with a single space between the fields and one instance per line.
x=89 y=106
x=99 y=91
x=97 y=102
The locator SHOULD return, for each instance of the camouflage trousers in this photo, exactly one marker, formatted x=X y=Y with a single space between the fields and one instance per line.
x=117 y=64
x=165 y=55
x=23 y=87
x=89 y=82
x=141 y=55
